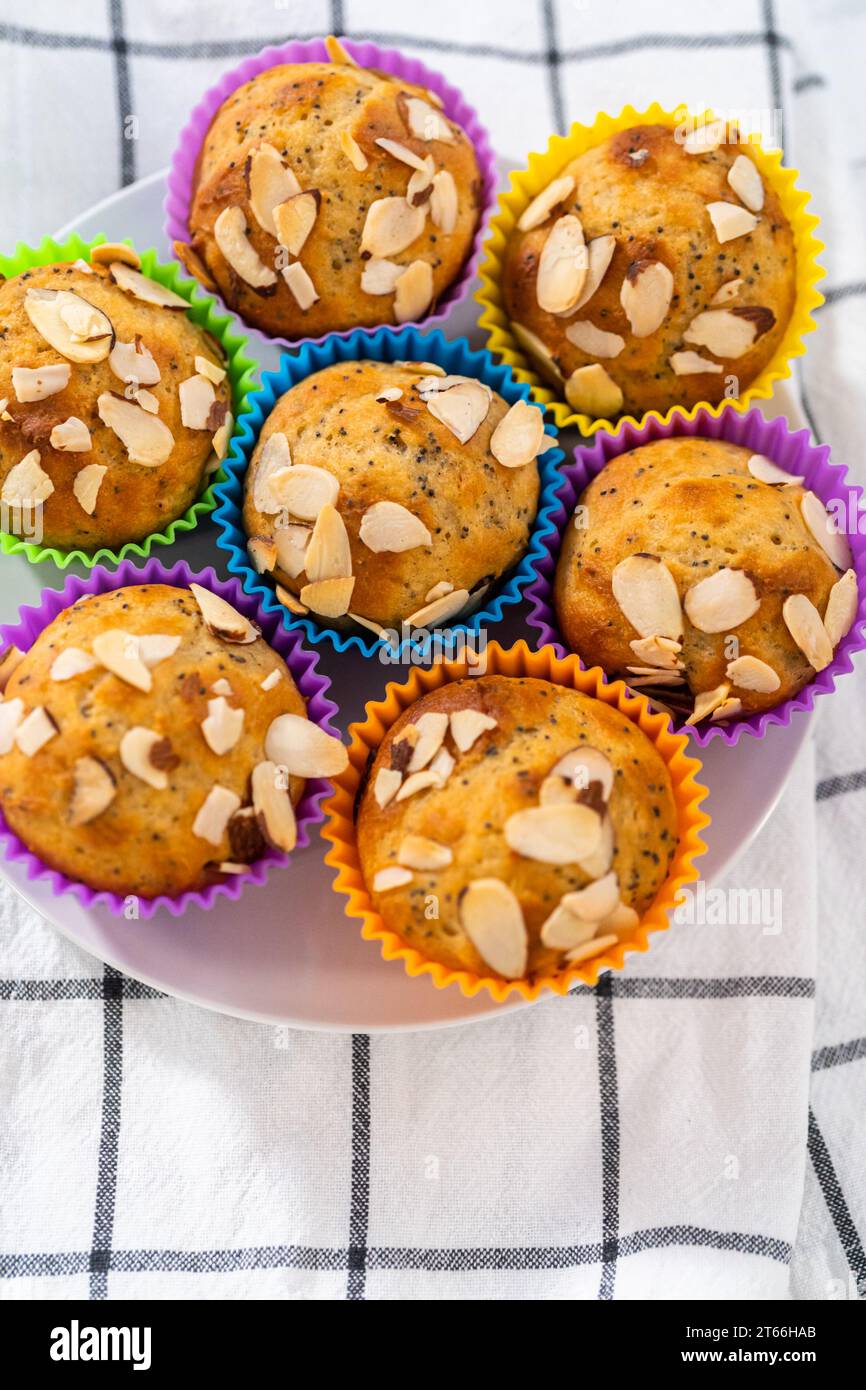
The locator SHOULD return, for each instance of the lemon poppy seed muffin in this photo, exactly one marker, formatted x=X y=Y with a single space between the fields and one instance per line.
x=515 y=827
x=655 y=270
x=113 y=403
x=389 y=492
x=151 y=741
x=329 y=197
x=705 y=575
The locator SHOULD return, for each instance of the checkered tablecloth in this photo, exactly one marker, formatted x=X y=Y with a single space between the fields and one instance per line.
x=693 y=1127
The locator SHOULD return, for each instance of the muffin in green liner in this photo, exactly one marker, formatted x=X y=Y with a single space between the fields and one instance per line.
x=58 y=361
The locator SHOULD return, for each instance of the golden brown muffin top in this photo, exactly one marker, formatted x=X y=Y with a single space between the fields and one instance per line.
x=646 y=276
x=377 y=490
x=512 y=826
x=329 y=197
x=690 y=575
x=133 y=735
x=98 y=432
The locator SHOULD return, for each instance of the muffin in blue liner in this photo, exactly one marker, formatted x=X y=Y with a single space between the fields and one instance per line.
x=455 y=359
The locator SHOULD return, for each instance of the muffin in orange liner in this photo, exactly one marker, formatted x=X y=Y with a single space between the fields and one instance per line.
x=517 y=661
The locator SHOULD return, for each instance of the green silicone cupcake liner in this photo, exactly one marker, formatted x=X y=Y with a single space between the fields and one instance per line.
x=203 y=310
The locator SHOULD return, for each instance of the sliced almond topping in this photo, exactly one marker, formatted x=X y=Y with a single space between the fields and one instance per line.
x=600 y=254
x=467 y=726
x=744 y=178
x=270 y=183
x=657 y=651
x=728 y=708
x=295 y=218
x=518 y=436
x=722 y=601
x=428 y=386
x=328 y=555
x=145 y=399
x=143 y=288
x=543 y=203
x=205 y=367
x=594 y=341
x=353 y=152
x=730 y=290
x=83 y=266
x=822 y=527
x=591 y=391
x=155 y=647
x=536 y=350
x=444 y=202
x=592 y=948
x=230 y=232
x=768 y=472
x=646 y=296
x=49 y=310
x=301 y=286
x=645 y=676
x=584 y=766
x=555 y=790
x=330 y=598
x=729 y=332
x=417 y=852
x=338 y=53
x=194 y=265
x=291 y=543
x=86 y=486
x=223 y=725
x=418 y=782
x=749 y=673
x=702 y=139
x=413 y=292
x=388 y=526
x=263 y=553
x=389 y=393
x=730 y=221
x=273 y=807
x=147 y=439
x=289 y=601
x=595 y=902
x=562 y=930
x=402 y=152
x=621 y=922
x=419 y=189
x=110 y=251
x=271 y=679
x=380 y=276
x=841 y=608
x=431 y=730
x=439 y=590
x=222 y=619
x=303 y=748
x=133 y=362
x=196 y=399
x=440 y=610
x=34 y=731
x=562 y=266
x=492 y=918
x=118 y=652
x=11 y=714
x=462 y=408
x=386 y=785
x=423 y=120
x=35 y=383
x=390 y=226
x=707 y=701
x=10 y=660
x=305 y=489
x=27 y=483
x=143 y=753
x=392 y=877
x=692 y=364
x=220 y=441
x=273 y=458
x=368 y=623
x=558 y=834
x=803 y=621
x=443 y=765
x=646 y=591
x=215 y=813
x=93 y=791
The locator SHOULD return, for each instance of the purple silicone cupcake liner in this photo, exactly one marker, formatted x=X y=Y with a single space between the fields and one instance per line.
x=368 y=55
x=793 y=452
x=301 y=663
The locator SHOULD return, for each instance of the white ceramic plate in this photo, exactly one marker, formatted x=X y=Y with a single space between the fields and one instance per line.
x=287 y=954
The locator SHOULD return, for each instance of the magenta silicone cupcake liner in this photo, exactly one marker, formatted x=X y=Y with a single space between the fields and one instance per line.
x=302 y=664
x=792 y=451
x=368 y=55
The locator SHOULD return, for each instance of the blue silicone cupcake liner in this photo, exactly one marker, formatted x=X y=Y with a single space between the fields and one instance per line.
x=382 y=345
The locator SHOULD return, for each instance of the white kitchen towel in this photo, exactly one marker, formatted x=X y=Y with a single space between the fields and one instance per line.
x=655 y=1138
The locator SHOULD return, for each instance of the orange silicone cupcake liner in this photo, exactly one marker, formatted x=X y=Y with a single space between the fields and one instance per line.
x=517 y=660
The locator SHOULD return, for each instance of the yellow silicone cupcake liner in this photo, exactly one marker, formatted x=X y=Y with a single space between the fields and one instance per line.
x=517 y=660
x=542 y=167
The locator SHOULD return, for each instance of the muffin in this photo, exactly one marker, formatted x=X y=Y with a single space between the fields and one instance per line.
x=152 y=742
x=328 y=197
x=113 y=403
x=657 y=269
x=512 y=826
x=390 y=493
x=706 y=575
